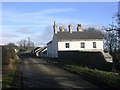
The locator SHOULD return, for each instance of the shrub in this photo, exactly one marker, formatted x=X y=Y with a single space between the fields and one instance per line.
x=12 y=53
x=93 y=60
x=5 y=56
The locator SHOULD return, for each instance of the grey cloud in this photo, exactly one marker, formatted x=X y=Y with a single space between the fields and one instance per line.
x=45 y=37
x=10 y=35
x=25 y=31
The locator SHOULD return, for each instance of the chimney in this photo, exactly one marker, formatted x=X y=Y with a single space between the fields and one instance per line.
x=70 y=28
x=55 y=28
x=79 y=28
x=61 y=29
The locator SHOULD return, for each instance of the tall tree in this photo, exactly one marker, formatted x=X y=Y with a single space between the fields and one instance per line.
x=114 y=40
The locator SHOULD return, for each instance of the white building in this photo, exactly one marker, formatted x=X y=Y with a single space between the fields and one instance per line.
x=73 y=41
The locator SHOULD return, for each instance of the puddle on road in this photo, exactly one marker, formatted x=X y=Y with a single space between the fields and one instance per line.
x=27 y=73
x=31 y=86
x=27 y=79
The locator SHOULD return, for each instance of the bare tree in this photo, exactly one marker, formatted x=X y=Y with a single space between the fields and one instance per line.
x=26 y=45
x=110 y=41
x=113 y=40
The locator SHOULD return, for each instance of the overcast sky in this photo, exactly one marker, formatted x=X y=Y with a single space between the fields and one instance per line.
x=21 y=20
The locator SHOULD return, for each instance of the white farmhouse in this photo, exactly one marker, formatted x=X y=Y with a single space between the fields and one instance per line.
x=87 y=41
x=73 y=41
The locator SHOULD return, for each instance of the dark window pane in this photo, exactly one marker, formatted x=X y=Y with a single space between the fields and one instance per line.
x=94 y=44
x=82 y=45
x=67 y=45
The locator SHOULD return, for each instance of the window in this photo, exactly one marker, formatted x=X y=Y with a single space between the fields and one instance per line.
x=82 y=45
x=94 y=44
x=67 y=45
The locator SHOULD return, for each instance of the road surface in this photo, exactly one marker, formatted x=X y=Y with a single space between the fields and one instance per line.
x=38 y=73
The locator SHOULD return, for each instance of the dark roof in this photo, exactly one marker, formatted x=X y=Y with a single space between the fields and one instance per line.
x=79 y=35
x=36 y=48
x=43 y=49
x=49 y=42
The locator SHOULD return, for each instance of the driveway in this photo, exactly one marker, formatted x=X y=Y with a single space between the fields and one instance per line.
x=38 y=73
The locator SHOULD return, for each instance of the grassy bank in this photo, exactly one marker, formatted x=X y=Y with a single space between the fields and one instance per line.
x=108 y=79
x=6 y=83
x=103 y=78
x=10 y=74
x=10 y=68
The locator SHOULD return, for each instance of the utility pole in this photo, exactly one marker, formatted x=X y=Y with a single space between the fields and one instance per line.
x=24 y=45
x=29 y=42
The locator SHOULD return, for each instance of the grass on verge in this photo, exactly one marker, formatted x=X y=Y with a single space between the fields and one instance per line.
x=11 y=70
x=8 y=79
x=109 y=79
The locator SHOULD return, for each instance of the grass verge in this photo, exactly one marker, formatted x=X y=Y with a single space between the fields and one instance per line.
x=8 y=79
x=103 y=78
x=109 y=79
x=10 y=73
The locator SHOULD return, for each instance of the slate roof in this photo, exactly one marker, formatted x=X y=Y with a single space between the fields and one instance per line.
x=79 y=35
x=36 y=48
x=49 y=42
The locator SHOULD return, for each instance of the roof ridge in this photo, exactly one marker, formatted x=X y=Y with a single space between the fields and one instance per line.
x=79 y=35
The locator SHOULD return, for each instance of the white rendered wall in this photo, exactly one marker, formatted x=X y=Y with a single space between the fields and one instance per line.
x=76 y=45
x=55 y=47
x=52 y=48
x=49 y=49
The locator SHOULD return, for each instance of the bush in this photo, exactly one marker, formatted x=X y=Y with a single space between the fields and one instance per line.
x=12 y=53
x=93 y=60
x=117 y=66
x=5 y=56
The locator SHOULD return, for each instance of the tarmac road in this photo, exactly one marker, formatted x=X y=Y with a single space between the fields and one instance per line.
x=38 y=73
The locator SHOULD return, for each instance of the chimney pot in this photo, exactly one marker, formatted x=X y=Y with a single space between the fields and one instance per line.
x=55 y=28
x=70 y=28
x=61 y=29
x=79 y=28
